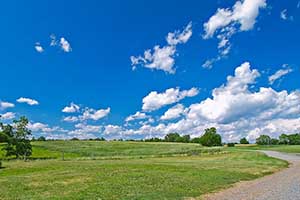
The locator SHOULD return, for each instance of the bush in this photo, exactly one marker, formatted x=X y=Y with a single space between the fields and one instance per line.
x=230 y=144
x=244 y=141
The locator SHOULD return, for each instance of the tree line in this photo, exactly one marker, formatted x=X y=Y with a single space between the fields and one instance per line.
x=209 y=138
x=284 y=139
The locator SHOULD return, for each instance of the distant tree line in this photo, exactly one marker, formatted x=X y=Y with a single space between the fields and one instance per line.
x=209 y=138
x=284 y=139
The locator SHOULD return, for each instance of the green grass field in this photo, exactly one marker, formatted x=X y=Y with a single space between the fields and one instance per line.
x=280 y=148
x=129 y=170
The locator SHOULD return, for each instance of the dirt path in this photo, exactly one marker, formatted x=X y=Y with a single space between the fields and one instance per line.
x=284 y=185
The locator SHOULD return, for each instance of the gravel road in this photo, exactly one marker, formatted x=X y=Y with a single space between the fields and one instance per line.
x=284 y=185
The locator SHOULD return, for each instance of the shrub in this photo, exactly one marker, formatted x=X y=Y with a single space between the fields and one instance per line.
x=230 y=144
x=244 y=141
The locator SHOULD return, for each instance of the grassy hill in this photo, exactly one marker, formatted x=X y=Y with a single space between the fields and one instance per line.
x=129 y=170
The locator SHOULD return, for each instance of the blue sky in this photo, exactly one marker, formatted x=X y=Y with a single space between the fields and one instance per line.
x=97 y=62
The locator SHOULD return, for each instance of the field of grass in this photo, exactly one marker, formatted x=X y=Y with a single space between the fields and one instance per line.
x=280 y=148
x=142 y=171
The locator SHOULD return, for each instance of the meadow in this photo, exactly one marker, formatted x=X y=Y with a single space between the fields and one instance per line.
x=129 y=170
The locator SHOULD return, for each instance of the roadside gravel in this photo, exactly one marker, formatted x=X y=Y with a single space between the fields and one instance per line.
x=284 y=185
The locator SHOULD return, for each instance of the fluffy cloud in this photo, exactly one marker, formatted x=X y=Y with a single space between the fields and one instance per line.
x=71 y=119
x=137 y=116
x=65 y=45
x=62 y=43
x=174 y=112
x=5 y=105
x=162 y=58
x=241 y=17
x=93 y=114
x=44 y=128
x=7 y=116
x=38 y=47
x=71 y=109
x=112 y=129
x=235 y=110
x=155 y=100
x=28 y=101
x=280 y=73
x=243 y=13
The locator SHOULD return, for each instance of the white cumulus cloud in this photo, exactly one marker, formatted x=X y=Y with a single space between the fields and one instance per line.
x=279 y=74
x=155 y=100
x=228 y=21
x=174 y=112
x=5 y=105
x=7 y=116
x=71 y=109
x=28 y=101
x=162 y=58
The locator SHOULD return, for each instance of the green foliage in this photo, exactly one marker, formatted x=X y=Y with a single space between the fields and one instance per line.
x=196 y=140
x=41 y=138
x=211 y=138
x=274 y=141
x=283 y=139
x=172 y=137
x=230 y=144
x=17 y=143
x=263 y=140
x=244 y=141
x=294 y=139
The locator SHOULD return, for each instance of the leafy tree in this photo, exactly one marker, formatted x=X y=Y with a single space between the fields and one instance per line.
x=195 y=140
x=74 y=139
x=230 y=144
x=263 y=140
x=41 y=138
x=186 y=138
x=284 y=139
x=172 y=137
x=18 y=143
x=294 y=139
x=274 y=141
x=211 y=138
x=244 y=141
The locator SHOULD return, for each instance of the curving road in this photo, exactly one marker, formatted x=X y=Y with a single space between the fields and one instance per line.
x=284 y=185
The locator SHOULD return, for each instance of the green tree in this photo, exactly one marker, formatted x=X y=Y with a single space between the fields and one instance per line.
x=186 y=138
x=41 y=138
x=211 y=138
x=263 y=140
x=172 y=137
x=18 y=143
x=294 y=139
x=284 y=139
x=274 y=141
x=244 y=141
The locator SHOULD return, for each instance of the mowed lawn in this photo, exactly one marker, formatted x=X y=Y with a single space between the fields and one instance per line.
x=175 y=175
x=280 y=148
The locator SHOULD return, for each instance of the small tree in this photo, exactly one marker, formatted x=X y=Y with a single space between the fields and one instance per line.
x=41 y=138
x=186 y=138
x=244 y=141
x=263 y=140
x=211 y=138
x=284 y=139
x=172 y=137
x=18 y=143
x=294 y=139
